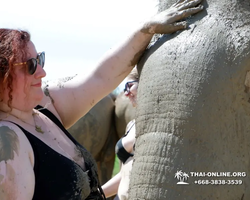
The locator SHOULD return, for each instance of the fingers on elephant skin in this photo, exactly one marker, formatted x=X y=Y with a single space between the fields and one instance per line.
x=171 y=28
x=187 y=4
x=177 y=2
x=183 y=4
x=179 y=26
x=186 y=13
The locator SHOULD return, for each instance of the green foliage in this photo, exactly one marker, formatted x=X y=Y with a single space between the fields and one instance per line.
x=116 y=166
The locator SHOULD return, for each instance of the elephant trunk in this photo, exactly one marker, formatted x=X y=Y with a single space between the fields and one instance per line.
x=193 y=109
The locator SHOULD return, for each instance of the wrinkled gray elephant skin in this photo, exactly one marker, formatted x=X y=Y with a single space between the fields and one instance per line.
x=193 y=109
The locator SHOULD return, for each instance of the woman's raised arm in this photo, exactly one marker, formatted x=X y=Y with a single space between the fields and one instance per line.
x=75 y=97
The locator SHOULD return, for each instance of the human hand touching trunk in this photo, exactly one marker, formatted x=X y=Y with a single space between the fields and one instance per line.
x=168 y=21
x=117 y=63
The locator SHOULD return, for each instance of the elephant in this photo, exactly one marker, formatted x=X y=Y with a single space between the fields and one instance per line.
x=100 y=129
x=193 y=113
x=124 y=113
x=96 y=131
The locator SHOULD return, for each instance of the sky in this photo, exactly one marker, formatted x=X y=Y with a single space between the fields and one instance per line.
x=75 y=34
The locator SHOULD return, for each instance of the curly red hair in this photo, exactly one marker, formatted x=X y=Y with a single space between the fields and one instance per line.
x=13 y=46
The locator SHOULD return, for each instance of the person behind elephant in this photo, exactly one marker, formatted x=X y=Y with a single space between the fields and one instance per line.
x=124 y=148
x=39 y=159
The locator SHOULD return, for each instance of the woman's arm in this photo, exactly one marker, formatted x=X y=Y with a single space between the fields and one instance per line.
x=110 y=188
x=17 y=180
x=75 y=97
x=129 y=141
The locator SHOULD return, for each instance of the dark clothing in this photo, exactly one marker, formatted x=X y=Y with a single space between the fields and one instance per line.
x=59 y=178
x=120 y=151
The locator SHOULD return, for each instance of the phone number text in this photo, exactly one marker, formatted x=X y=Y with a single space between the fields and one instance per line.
x=218 y=182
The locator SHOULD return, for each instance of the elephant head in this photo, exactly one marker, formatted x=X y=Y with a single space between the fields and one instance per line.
x=193 y=108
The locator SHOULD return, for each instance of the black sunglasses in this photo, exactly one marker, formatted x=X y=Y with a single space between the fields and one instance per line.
x=32 y=63
x=127 y=86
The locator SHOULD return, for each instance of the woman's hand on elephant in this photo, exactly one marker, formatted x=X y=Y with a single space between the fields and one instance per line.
x=167 y=21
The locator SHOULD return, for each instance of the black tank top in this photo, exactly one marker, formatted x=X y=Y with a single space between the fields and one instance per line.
x=59 y=178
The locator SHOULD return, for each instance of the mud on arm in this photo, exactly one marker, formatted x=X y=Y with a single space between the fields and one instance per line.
x=17 y=180
x=77 y=96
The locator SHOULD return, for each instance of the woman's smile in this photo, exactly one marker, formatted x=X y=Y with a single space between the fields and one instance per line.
x=37 y=84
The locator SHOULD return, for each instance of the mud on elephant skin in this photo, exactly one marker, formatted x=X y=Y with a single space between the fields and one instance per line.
x=193 y=112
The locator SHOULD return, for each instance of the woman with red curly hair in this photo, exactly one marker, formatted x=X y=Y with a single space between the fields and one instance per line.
x=39 y=159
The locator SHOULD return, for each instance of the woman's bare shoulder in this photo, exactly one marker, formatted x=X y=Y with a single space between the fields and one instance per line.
x=130 y=125
x=16 y=163
x=13 y=142
x=10 y=132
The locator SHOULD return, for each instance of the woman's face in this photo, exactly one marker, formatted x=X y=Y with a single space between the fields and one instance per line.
x=131 y=91
x=27 y=92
